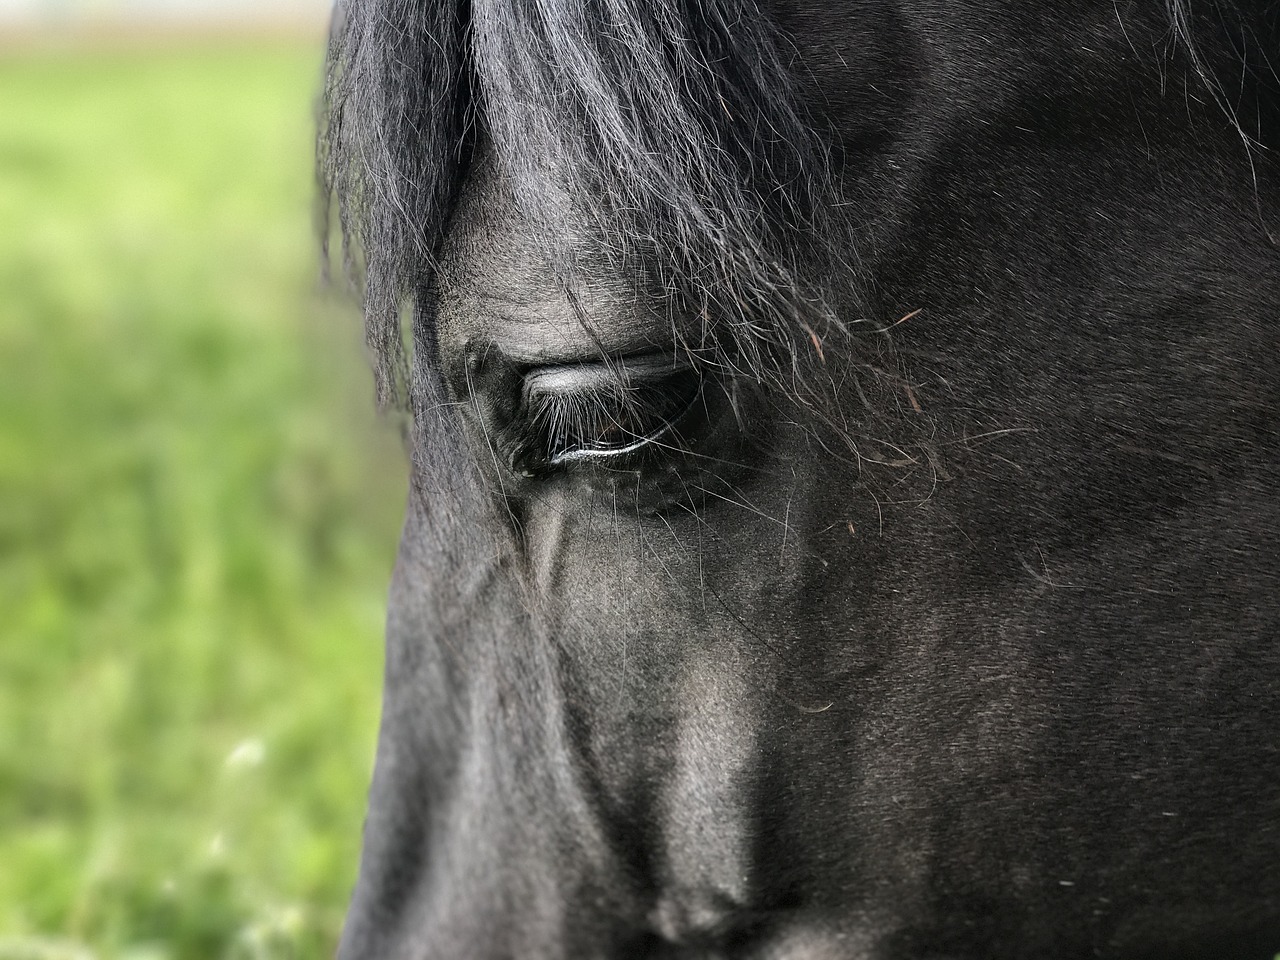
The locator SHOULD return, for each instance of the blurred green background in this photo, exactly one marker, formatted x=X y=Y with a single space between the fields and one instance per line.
x=198 y=510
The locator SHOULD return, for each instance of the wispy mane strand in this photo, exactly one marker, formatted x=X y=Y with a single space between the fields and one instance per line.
x=391 y=145
x=671 y=126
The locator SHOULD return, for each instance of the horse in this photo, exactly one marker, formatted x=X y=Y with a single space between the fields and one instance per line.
x=843 y=514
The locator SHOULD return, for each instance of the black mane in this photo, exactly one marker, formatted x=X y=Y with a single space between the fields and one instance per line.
x=674 y=129
x=671 y=127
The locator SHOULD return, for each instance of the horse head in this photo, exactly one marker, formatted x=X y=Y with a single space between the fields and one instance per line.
x=845 y=454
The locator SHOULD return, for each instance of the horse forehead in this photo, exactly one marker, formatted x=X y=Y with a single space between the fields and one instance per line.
x=505 y=277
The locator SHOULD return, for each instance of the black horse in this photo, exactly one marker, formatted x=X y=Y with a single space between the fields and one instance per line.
x=846 y=462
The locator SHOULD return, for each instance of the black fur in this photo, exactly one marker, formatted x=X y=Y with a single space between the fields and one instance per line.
x=946 y=621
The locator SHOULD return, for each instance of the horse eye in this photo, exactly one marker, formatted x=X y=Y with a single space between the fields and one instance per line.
x=600 y=412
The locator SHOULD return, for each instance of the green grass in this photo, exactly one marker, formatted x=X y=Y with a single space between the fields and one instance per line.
x=198 y=513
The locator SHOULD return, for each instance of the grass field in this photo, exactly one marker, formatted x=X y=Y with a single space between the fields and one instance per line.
x=198 y=512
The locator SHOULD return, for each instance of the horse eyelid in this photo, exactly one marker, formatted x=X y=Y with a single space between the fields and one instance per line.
x=598 y=413
x=587 y=454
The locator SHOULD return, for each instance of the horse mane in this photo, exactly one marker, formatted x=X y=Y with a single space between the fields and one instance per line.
x=391 y=151
x=674 y=129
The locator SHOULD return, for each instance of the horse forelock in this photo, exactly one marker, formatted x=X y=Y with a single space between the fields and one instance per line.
x=672 y=129
x=675 y=131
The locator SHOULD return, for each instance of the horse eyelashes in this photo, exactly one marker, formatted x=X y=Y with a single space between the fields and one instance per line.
x=598 y=413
